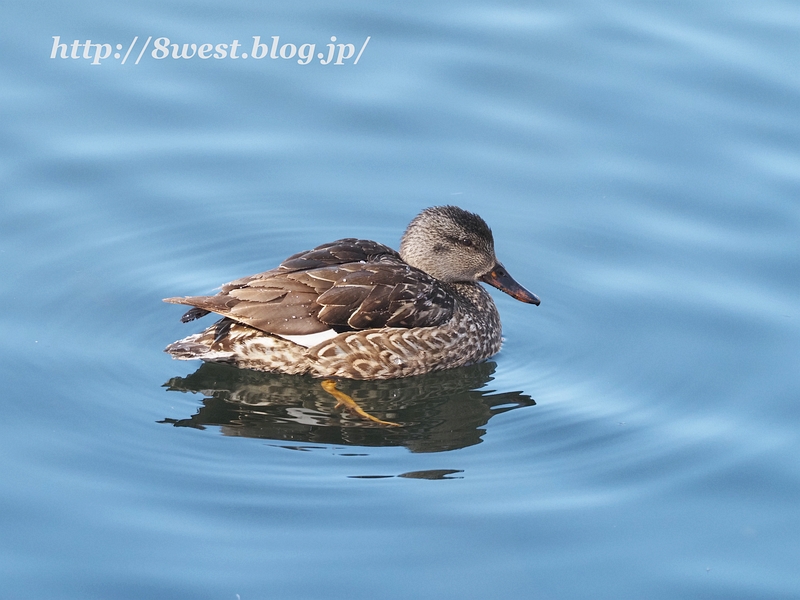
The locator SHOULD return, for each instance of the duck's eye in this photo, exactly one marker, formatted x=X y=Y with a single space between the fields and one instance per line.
x=467 y=243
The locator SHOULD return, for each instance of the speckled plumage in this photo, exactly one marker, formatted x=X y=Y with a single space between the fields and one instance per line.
x=385 y=314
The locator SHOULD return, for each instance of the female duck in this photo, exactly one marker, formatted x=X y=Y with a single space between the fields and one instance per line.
x=358 y=309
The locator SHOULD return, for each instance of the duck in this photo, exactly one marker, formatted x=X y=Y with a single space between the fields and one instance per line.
x=357 y=309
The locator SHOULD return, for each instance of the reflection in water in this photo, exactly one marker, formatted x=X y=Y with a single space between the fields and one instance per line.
x=432 y=474
x=438 y=411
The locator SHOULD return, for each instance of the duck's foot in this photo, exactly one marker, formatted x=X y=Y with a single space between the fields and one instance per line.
x=345 y=401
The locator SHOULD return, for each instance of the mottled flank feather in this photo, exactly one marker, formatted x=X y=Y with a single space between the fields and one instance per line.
x=379 y=315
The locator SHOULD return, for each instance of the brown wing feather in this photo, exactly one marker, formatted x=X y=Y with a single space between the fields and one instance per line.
x=348 y=284
x=337 y=253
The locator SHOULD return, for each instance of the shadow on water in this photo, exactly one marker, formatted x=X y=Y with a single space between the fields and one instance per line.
x=437 y=412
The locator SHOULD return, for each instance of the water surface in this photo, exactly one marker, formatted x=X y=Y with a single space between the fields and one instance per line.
x=637 y=435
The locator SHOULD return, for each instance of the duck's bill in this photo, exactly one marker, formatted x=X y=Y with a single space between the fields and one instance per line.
x=499 y=278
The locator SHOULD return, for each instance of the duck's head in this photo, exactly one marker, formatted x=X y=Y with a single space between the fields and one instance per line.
x=455 y=246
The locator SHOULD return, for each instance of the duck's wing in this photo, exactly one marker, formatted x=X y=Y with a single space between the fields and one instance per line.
x=347 y=284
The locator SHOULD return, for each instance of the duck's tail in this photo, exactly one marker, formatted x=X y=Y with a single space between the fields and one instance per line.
x=204 y=345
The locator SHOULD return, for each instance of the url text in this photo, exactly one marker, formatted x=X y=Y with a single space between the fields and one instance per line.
x=162 y=47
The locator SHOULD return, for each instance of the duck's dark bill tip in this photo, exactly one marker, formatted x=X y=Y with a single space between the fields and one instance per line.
x=499 y=278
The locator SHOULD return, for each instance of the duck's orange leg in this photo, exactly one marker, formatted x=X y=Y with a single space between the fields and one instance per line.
x=345 y=401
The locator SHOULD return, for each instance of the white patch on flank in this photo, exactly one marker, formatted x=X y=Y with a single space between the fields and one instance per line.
x=310 y=339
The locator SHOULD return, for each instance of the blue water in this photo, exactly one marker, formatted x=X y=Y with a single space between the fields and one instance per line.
x=637 y=437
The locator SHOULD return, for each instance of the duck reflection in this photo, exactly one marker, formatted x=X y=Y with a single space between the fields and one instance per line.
x=440 y=411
